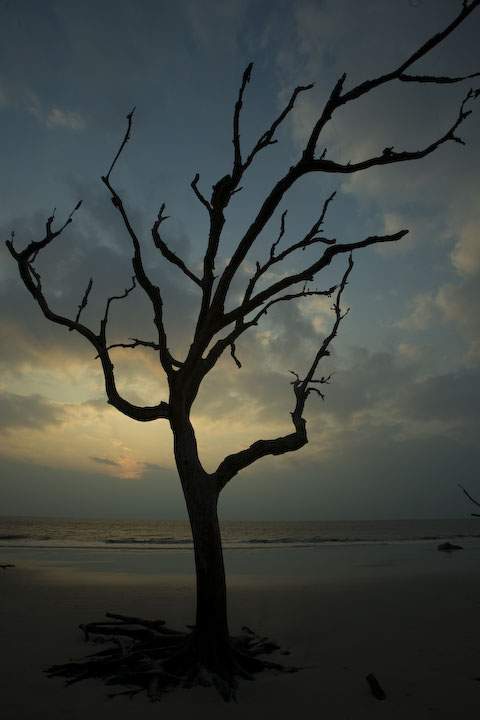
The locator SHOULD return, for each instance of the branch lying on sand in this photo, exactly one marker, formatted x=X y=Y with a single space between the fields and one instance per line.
x=375 y=687
x=6 y=565
x=146 y=656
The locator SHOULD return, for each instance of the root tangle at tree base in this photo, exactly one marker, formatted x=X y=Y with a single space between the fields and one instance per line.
x=146 y=656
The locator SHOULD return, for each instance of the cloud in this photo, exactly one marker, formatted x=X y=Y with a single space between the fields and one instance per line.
x=452 y=397
x=48 y=116
x=104 y=461
x=128 y=466
x=206 y=20
x=29 y=411
x=466 y=253
x=421 y=312
x=56 y=117
x=458 y=303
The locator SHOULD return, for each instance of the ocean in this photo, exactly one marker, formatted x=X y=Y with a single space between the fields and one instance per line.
x=38 y=532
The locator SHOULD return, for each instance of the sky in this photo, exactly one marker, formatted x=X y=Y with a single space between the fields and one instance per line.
x=398 y=429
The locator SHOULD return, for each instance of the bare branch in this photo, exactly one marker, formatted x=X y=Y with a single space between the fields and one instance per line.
x=236 y=462
x=126 y=138
x=429 y=45
x=32 y=282
x=142 y=343
x=203 y=200
x=306 y=275
x=280 y=235
x=31 y=251
x=292 y=296
x=309 y=164
x=224 y=189
x=135 y=343
x=337 y=98
x=267 y=138
x=324 y=348
x=232 y=464
x=389 y=156
x=310 y=238
x=238 y=315
x=151 y=290
x=103 y=324
x=241 y=325
x=330 y=106
x=232 y=352
x=84 y=301
x=438 y=79
x=237 y=161
x=167 y=253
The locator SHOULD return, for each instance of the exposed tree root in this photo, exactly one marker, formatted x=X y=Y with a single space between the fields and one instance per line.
x=146 y=656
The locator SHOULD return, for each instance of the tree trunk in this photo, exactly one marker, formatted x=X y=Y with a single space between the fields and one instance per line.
x=211 y=624
x=211 y=634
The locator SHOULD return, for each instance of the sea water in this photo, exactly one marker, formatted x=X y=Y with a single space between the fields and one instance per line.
x=37 y=532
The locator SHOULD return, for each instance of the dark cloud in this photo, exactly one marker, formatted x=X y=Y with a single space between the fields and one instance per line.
x=34 y=489
x=453 y=397
x=30 y=411
x=103 y=461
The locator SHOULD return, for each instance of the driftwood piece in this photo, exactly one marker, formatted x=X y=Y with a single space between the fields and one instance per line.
x=375 y=687
x=449 y=547
x=6 y=565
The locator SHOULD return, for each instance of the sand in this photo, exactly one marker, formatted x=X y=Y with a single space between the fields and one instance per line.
x=409 y=614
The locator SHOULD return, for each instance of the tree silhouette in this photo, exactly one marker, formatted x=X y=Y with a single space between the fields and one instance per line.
x=158 y=658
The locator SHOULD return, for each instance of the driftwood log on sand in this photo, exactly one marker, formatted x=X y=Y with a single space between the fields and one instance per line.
x=449 y=547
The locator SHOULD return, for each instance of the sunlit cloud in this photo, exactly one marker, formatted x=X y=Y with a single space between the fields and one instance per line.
x=466 y=253
x=56 y=117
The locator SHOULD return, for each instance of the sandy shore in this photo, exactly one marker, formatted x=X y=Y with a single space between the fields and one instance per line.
x=409 y=614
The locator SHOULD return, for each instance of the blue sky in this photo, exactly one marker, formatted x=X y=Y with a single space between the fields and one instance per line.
x=399 y=426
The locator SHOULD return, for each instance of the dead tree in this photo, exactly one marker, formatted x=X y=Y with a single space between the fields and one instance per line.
x=156 y=658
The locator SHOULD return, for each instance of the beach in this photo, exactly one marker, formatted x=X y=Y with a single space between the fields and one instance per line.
x=405 y=612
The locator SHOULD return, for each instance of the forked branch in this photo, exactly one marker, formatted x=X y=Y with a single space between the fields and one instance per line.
x=151 y=290
x=242 y=325
x=389 y=155
x=306 y=275
x=309 y=163
x=268 y=137
x=33 y=282
x=236 y=462
x=338 y=98
x=311 y=238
